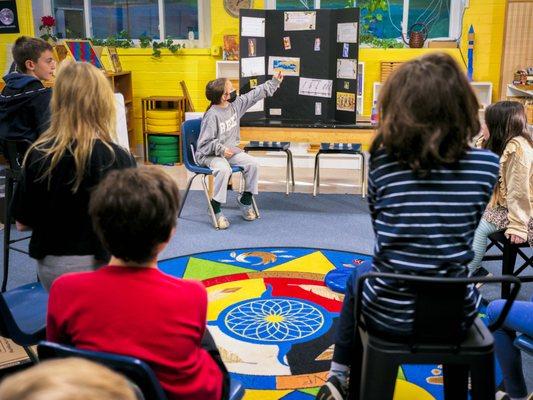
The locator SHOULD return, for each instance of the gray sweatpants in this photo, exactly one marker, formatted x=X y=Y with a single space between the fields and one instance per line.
x=479 y=244
x=222 y=173
x=52 y=267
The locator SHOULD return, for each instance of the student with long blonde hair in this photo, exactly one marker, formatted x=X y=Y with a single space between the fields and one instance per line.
x=62 y=167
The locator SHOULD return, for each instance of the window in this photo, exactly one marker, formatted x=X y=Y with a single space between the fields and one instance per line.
x=441 y=17
x=104 y=18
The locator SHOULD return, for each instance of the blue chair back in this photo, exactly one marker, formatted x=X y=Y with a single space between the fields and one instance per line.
x=135 y=370
x=23 y=314
x=190 y=131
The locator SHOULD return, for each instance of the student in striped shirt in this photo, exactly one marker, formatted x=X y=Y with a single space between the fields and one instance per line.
x=427 y=192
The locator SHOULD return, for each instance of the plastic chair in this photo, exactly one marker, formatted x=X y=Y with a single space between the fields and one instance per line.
x=340 y=148
x=437 y=339
x=14 y=151
x=508 y=257
x=276 y=146
x=23 y=316
x=190 y=130
x=137 y=371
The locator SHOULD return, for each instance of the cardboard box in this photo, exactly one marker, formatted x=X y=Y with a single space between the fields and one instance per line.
x=442 y=44
x=11 y=354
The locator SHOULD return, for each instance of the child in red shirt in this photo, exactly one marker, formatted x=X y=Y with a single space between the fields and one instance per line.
x=130 y=307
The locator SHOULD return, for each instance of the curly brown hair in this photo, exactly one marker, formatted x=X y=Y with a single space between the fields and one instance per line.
x=428 y=113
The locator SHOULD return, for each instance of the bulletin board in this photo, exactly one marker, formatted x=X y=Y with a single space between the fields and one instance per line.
x=317 y=50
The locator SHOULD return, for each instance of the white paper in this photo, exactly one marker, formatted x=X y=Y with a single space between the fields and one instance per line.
x=318 y=108
x=347 y=32
x=253 y=27
x=253 y=66
x=275 y=111
x=315 y=87
x=300 y=20
x=346 y=68
x=259 y=106
x=289 y=66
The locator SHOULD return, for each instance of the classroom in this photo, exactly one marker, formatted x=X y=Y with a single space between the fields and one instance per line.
x=266 y=199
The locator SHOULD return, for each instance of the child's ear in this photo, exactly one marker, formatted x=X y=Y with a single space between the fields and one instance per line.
x=30 y=65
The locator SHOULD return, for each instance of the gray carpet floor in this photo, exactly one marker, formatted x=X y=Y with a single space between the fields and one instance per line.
x=339 y=222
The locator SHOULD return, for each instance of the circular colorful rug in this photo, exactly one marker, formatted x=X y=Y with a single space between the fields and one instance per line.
x=273 y=319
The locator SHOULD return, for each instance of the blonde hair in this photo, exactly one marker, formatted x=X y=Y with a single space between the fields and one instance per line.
x=83 y=110
x=66 y=379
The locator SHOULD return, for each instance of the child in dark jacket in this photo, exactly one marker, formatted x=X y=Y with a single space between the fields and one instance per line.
x=24 y=101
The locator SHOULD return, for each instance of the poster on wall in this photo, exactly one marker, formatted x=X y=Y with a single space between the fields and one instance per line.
x=8 y=17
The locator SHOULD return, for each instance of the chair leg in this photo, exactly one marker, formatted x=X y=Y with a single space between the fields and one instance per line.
x=377 y=364
x=455 y=382
x=509 y=259
x=7 y=228
x=287 y=173
x=483 y=380
x=364 y=182
x=186 y=193
x=316 y=177
x=31 y=354
x=292 y=168
x=209 y=206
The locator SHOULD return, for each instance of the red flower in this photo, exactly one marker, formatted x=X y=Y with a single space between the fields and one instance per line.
x=48 y=21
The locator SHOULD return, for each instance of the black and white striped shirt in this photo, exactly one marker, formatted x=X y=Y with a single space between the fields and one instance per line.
x=423 y=226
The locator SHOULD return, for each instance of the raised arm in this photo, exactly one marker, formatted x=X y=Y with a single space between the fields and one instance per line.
x=244 y=102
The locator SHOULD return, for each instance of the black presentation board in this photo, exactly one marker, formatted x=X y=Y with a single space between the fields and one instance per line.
x=321 y=64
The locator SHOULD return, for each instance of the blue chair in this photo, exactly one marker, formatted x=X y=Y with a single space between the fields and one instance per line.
x=23 y=316
x=340 y=148
x=524 y=343
x=190 y=130
x=137 y=371
x=276 y=146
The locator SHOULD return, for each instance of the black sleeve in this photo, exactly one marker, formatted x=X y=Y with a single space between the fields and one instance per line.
x=41 y=111
x=26 y=195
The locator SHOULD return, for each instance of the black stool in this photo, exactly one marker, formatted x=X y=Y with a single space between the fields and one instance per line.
x=340 y=148
x=508 y=257
x=14 y=151
x=437 y=339
x=276 y=146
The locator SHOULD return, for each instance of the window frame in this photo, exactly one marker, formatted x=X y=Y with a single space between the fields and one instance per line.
x=204 y=21
x=457 y=8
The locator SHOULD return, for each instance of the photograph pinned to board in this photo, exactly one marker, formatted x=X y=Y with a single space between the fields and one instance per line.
x=287 y=43
x=83 y=51
x=317 y=44
x=275 y=111
x=113 y=56
x=257 y=107
x=253 y=66
x=253 y=83
x=252 y=45
x=346 y=101
x=318 y=108
x=347 y=85
x=231 y=48
x=346 y=68
x=252 y=26
x=345 y=50
x=289 y=66
x=299 y=20
x=347 y=32
x=315 y=87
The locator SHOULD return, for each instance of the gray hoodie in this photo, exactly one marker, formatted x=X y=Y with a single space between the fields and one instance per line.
x=220 y=126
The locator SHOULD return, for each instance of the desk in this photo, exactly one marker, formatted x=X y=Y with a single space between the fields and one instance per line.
x=307 y=132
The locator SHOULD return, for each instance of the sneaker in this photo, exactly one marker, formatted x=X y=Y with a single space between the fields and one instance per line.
x=222 y=221
x=332 y=390
x=248 y=212
x=481 y=273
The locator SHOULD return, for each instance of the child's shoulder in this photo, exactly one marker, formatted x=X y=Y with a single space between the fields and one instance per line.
x=475 y=154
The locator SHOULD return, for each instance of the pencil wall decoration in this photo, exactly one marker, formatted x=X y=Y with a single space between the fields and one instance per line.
x=83 y=51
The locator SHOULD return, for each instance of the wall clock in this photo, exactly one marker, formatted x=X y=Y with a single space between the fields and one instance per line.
x=232 y=7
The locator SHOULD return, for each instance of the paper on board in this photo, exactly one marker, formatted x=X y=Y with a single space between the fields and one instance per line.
x=299 y=20
x=252 y=26
x=346 y=68
x=347 y=32
x=315 y=87
x=289 y=66
x=253 y=66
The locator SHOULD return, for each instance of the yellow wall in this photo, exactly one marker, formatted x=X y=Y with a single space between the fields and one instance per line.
x=25 y=18
x=197 y=66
